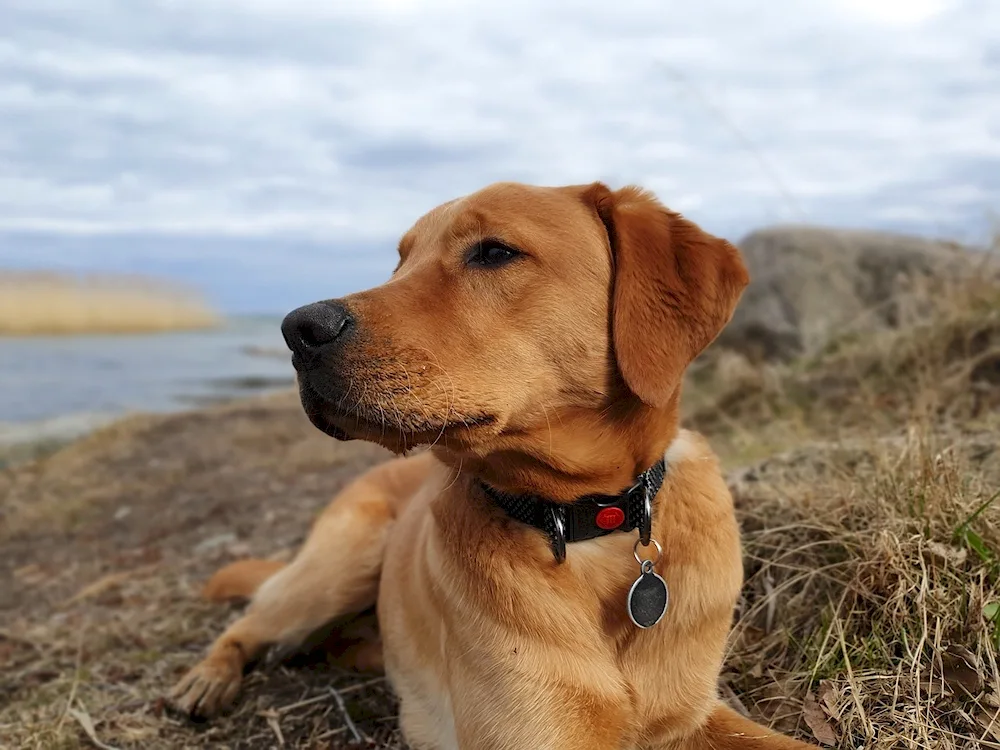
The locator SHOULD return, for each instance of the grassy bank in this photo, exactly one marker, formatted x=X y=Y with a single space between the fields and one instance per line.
x=869 y=497
x=865 y=479
x=35 y=304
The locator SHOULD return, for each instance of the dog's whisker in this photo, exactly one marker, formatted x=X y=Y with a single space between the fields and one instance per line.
x=548 y=425
x=347 y=393
x=412 y=393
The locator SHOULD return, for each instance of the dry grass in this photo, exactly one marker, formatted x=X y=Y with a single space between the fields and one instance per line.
x=870 y=612
x=870 y=617
x=33 y=304
x=103 y=545
x=941 y=365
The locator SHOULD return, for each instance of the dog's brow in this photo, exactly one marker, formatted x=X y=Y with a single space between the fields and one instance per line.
x=406 y=245
x=471 y=222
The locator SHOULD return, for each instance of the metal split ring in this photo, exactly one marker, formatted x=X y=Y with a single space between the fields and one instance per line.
x=641 y=561
x=559 y=537
x=646 y=522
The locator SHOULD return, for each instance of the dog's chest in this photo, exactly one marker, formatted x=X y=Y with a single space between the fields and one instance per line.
x=467 y=650
x=415 y=637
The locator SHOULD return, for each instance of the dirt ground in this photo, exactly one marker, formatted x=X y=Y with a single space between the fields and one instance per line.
x=103 y=548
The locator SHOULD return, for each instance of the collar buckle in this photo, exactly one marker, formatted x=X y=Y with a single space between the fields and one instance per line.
x=644 y=492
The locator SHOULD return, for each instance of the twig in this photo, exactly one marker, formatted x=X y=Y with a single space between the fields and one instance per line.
x=271 y=717
x=323 y=696
x=771 y=603
x=87 y=724
x=347 y=717
x=76 y=683
x=362 y=685
x=329 y=734
x=302 y=703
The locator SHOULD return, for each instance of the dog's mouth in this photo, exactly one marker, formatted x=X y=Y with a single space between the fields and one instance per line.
x=317 y=408
x=393 y=427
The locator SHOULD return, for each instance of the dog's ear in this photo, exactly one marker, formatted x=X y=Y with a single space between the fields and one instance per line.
x=675 y=288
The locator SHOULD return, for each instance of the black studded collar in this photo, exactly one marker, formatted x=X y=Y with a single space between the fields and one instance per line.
x=587 y=517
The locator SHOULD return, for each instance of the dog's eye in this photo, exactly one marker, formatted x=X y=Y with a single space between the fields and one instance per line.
x=491 y=253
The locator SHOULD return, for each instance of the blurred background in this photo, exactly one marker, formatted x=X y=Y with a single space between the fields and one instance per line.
x=211 y=164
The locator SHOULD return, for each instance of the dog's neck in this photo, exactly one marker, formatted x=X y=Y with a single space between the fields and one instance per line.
x=580 y=453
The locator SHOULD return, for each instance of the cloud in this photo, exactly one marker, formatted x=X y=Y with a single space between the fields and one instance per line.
x=216 y=122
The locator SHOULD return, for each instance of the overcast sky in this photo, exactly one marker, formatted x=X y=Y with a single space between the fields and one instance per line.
x=273 y=150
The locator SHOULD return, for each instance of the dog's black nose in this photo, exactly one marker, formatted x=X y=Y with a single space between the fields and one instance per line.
x=314 y=326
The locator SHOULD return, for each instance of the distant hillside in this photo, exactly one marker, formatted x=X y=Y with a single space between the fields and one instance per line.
x=43 y=303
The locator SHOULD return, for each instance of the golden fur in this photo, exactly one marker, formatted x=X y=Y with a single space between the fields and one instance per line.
x=556 y=373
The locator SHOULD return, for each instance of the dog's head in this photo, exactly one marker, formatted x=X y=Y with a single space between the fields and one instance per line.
x=514 y=312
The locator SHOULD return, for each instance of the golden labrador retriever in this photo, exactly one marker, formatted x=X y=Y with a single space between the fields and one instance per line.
x=560 y=568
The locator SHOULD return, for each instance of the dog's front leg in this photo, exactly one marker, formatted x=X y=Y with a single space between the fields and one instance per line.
x=334 y=575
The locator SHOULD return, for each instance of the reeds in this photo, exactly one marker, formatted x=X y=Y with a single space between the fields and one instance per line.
x=39 y=304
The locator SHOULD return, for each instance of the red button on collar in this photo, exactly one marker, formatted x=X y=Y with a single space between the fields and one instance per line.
x=610 y=518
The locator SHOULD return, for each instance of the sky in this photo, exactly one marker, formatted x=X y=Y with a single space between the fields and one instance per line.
x=273 y=151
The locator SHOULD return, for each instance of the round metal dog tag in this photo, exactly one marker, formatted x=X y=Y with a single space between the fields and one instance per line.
x=648 y=598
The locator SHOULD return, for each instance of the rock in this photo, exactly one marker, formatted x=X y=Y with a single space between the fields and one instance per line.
x=811 y=283
x=215 y=542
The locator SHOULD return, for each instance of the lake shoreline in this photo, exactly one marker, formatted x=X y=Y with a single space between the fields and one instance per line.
x=49 y=382
x=33 y=439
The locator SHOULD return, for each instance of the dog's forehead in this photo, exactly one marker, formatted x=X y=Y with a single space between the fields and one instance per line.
x=499 y=208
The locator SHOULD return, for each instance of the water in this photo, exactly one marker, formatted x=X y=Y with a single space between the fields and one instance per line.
x=74 y=382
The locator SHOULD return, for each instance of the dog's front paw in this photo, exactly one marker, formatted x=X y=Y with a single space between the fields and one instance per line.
x=208 y=689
